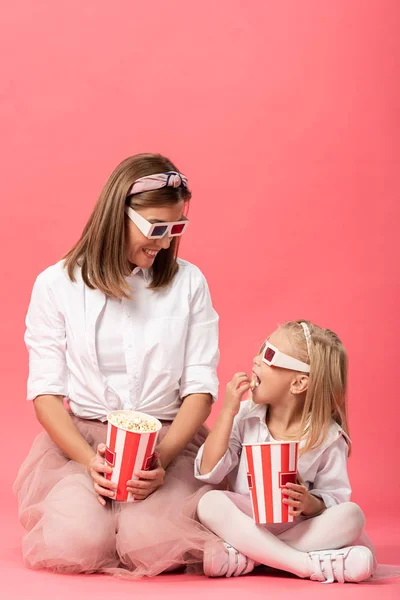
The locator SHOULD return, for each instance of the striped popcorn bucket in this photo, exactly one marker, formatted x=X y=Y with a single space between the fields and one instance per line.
x=270 y=466
x=129 y=451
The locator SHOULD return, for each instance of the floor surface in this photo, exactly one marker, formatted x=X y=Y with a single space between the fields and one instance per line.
x=18 y=582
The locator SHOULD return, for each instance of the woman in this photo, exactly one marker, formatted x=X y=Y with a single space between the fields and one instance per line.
x=120 y=323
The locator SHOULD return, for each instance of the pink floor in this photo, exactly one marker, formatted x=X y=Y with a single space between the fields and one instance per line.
x=18 y=582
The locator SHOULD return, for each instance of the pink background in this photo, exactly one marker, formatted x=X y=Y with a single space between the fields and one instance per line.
x=284 y=116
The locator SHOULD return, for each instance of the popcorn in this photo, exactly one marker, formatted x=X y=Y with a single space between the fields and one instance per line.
x=131 y=442
x=132 y=423
x=254 y=384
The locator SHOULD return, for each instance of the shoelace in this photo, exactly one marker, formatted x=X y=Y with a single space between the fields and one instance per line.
x=329 y=567
x=234 y=568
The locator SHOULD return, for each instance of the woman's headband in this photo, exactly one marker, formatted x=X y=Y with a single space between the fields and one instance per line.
x=158 y=181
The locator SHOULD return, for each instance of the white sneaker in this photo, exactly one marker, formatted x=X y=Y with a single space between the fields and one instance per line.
x=223 y=560
x=352 y=564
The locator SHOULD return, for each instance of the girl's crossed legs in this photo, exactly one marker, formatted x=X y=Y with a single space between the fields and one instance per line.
x=335 y=528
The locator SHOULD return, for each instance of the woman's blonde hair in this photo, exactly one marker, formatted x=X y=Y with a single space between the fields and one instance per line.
x=326 y=396
x=101 y=251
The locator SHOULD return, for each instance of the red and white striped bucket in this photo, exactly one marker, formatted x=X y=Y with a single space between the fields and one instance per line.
x=128 y=452
x=270 y=466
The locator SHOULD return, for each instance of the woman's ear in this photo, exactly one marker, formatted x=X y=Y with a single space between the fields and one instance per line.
x=299 y=384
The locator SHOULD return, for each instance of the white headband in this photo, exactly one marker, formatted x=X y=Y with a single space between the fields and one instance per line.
x=307 y=335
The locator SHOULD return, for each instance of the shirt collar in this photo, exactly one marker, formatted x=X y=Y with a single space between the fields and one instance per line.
x=145 y=273
x=258 y=411
x=255 y=411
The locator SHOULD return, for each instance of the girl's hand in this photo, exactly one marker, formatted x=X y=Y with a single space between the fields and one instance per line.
x=96 y=469
x=148 y=482
x=298 y=498
x=235 y=390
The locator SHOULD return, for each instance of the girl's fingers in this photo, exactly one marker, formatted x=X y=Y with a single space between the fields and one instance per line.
x=293 y=494
x=238 y=379
x=243 y=388
x=296 y=487
x=292 y=502
x=294 y=512
x=239 y=382
x=244 y=382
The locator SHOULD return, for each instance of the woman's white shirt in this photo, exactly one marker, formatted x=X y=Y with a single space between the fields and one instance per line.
x=323 y=469
x=143 y=353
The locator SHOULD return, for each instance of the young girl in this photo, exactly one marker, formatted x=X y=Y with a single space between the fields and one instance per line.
x=299 y=393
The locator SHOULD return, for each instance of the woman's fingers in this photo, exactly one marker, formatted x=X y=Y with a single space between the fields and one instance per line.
x=157 y=473
x=103 y=491
x=99 y=467
x=101 y=449
x=139 y=495
x=103 y=482
x=142 y=492
x=101 y=500
x=140 y=485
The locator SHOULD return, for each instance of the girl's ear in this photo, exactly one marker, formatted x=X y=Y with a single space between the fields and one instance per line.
x=299 y=384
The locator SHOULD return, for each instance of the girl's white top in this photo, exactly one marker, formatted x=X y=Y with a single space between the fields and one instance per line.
x=324 y=469
x=144 y=353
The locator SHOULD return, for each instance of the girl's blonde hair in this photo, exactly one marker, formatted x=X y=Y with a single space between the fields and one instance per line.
x=326 y=396
x=101 y=251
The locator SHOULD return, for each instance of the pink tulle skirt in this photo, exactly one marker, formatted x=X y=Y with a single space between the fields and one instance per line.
x=68 y=530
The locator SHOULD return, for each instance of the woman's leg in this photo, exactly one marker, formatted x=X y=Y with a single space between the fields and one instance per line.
x=162 y=533
x=75 y=533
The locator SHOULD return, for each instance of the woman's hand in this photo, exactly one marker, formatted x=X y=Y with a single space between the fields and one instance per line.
x=148 y=482
x=235 y=390
x=96 y=469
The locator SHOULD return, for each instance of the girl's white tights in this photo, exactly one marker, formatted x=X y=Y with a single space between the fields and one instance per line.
x=336 y=527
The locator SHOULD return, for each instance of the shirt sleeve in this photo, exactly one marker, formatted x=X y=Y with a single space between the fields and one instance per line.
x=45 y=340
x=227 y=463
x=199 y=374
x=332 y=483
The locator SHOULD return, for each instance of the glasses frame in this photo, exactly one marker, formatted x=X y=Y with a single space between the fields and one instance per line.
x=148 y=228
x=275 y=358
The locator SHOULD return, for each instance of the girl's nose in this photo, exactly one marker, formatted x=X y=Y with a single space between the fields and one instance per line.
x=257 y=360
